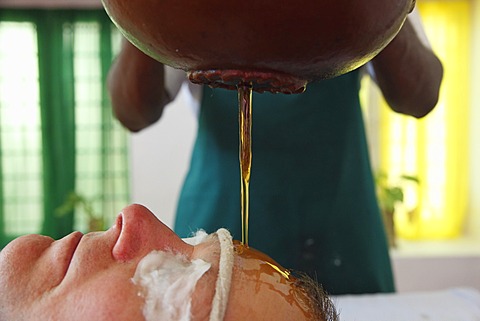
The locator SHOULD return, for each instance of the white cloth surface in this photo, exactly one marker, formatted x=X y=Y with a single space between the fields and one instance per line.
x=456 y=304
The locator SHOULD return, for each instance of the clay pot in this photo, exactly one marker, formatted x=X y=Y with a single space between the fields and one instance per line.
x=271 y=43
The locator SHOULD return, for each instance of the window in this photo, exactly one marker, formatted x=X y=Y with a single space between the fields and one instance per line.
x=57 y=133
x=435 y=149
x=20 y=126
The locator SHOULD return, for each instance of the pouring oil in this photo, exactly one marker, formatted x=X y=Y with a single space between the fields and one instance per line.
x=265 y=271
x=245 y=152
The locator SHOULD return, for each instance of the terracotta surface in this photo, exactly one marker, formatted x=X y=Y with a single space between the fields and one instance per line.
x=272 y=42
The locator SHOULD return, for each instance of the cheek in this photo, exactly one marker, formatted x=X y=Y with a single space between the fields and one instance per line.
x=18 y=281
x=110 y=295
x=118 y=300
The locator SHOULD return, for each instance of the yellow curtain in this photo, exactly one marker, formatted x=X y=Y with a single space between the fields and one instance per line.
x=434 y=149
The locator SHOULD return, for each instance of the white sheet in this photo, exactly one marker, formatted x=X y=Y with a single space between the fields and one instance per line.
x=457 y=304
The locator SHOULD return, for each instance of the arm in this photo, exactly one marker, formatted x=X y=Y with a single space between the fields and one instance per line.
x=408 y=74
x=136 y=85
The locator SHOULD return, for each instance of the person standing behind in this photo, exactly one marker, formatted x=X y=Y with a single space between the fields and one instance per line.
x=313 y=204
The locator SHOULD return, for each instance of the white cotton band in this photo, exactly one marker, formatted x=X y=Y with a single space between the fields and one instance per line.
x=224 y=279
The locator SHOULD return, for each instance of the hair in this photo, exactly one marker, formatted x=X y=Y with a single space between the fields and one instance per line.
x=322 y=306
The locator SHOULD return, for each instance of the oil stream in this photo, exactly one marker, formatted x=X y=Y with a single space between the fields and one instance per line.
x=245 y=152
x=254 y=263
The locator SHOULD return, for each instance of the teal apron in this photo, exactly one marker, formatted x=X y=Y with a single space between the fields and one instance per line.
x=312 y=198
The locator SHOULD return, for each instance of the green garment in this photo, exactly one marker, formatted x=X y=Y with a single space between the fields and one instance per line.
x=312 y=199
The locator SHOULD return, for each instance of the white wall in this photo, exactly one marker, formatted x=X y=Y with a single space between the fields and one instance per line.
x=436 y=273
x=436 y=265
x=160 y=156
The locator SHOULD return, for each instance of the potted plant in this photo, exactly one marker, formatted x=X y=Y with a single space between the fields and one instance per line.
x=389 y=196
x=95 y=222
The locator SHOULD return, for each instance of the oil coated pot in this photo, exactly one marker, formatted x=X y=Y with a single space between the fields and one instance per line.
x=277 y=45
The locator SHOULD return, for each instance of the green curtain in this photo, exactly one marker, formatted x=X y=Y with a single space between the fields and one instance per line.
x=55 y=54
x=60 y=132
x=3 y=238
x=106 y=59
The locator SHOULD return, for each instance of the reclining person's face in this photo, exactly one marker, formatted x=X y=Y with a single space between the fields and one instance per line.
x=89 y=277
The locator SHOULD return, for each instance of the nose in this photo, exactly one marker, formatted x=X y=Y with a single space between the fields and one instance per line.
x=142 y=232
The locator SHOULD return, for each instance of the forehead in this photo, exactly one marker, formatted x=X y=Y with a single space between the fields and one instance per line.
x=263 y=289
